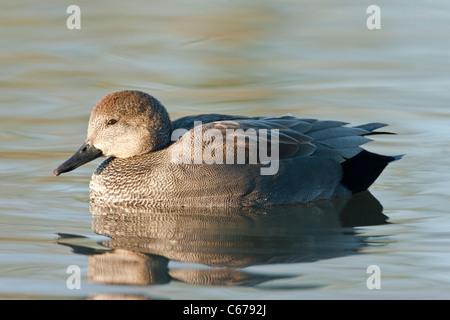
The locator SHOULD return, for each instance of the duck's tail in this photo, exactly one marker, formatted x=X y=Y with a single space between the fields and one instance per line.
x=363 y=169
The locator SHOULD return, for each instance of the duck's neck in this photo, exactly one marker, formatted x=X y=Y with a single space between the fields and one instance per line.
x=162 y=140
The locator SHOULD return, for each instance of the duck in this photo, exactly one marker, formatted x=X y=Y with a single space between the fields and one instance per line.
x=218 y=160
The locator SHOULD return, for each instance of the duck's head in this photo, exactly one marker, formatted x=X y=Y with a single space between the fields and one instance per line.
x=123 y=124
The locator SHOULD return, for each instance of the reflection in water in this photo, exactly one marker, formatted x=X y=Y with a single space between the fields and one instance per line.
x=143 y=241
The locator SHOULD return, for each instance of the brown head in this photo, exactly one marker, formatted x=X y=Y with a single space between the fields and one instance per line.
x=123 y=124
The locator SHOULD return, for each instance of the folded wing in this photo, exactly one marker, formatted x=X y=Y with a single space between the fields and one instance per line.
x=217 y=138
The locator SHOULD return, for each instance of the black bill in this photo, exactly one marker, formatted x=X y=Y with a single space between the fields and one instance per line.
x=86 y=153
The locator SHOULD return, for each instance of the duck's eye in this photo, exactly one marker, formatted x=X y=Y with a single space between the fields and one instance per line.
x=112 y=121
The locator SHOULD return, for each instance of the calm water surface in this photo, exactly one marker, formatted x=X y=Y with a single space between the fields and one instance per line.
x=226 y=56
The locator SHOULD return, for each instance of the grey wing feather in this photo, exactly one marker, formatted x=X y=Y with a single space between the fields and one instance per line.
x=335 y=141
x=343 y=142
x=244 y=132
x=325 y=124
x=338 y=154
x=337 y=132
x=371 y=126
x=295 y=136
x=188 y=121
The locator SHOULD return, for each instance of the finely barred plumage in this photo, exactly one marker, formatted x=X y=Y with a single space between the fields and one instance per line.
x=315 y=159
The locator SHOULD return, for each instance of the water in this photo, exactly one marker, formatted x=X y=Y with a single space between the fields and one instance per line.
x=239 y=57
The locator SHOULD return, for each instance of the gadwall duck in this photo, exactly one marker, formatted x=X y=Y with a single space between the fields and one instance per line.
x=216 y=160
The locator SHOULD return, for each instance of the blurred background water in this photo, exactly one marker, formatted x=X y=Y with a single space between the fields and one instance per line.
x=315 y=60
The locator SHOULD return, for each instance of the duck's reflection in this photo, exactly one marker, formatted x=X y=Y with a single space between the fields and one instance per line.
x=143 y=241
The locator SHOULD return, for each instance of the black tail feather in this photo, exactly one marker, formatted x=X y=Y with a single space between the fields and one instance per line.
x=363 y=169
